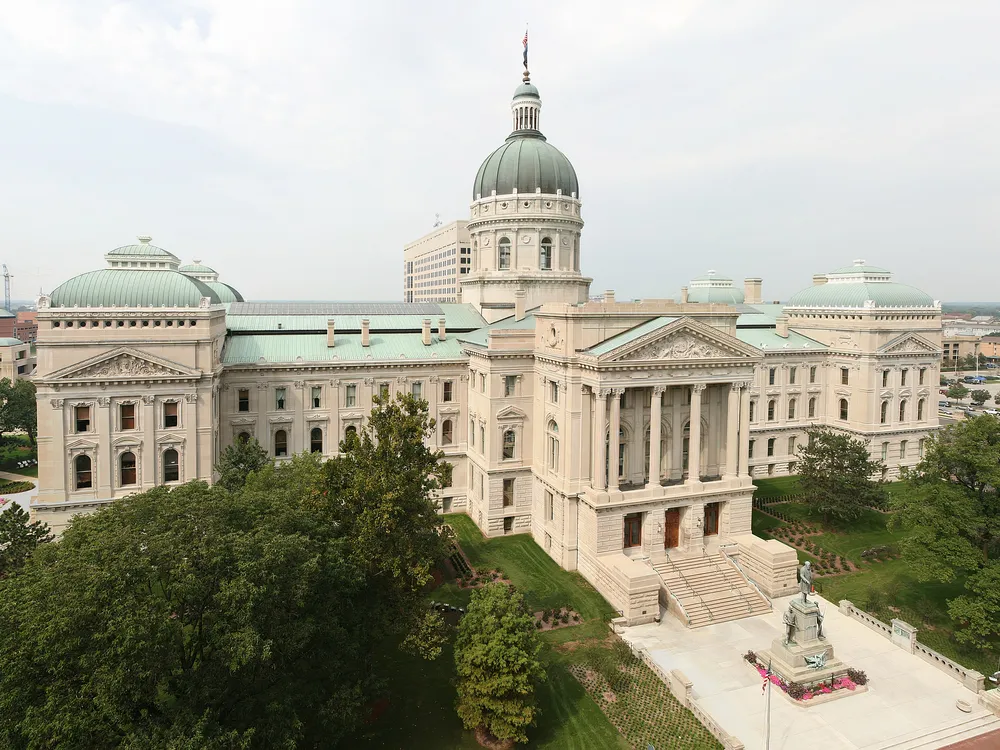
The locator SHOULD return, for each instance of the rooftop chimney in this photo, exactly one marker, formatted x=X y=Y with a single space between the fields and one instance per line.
x=609 y=297
x=781 y=326
x=442 y=332
x=819 y=279
x=458 y=296
x=330 y=325
x=684 y=295
x=520 y=298
x=751 y=291
x=426 y=332
x=365 y=336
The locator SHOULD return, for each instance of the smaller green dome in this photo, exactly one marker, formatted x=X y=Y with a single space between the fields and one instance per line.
x=11 y=342
x=526 y=89
x=196 y=268
x=226 y=293
x=112 y=287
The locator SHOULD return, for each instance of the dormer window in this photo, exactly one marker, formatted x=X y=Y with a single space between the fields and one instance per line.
x=545 y=258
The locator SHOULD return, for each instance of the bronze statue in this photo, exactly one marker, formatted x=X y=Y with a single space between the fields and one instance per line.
x=789 y=619
x=805 y=581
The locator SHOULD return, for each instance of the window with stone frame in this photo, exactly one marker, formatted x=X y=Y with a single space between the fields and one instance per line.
x=508 y=493
x=791 y=445
x=553 y=440
x=845 y=376
x=417 y=389
x=753 y=410
x=383 y=390
x=243 y=438
x=446 y=391
x=503 y=254
x=447 y=432
x=316 y=440
x=509 y=385
x=126 y=416
x=279 y=398
x=554 y=392
x=545 y=259
x=791 y=375
x=791 y=408
x=243 y=399
x=885 y=378
x=508 y=524
x=884 y=413
x=921 y=373
x=844 y=409
x=902 y=449
x=902 y=377
x=902 y=410
x=351 y=395
x=550 y=512
x=812 y=374
x=83 y=478
x=771 y=373
x=81 y=417
x=770 y=410
x=281 y=443
x=920 y=410
x=812 y=407
x=316 y=396
x=171 y=414
x=126 y=469
x=770 y=446
x=171 y=466
x=509 y=444
x=750 y=450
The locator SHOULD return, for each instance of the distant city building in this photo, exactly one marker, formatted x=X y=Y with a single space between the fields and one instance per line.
x=434 y=265
x=26 y=325
x=957 y=348
x=16 y=359
x=7 y=323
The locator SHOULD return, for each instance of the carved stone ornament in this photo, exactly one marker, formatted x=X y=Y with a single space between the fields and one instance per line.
x=369 y=381
x=263 y=386
x=910 y=345
x=658 y=390
x=698 y=387
x=191 y=398
x=124 y=365
x=57 y=403
x=679 y=346
x=103 y=401
x=148 y=399
x=603 y=392
x=553 y=339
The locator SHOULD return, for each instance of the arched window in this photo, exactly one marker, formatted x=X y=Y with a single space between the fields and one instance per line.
x=920 y=410
x=753 y=411
x=902 y=410
x=472 y=433
x=812 y=407
x=843 y=408
x=884 y=415
x=316 y=440
x=446 y=432
x=243 y=438
x=770 y=410
x=509 y=443
x=350 y=433
x=503 y=253
x=545 y=259
x=126 y=468
x=84 y=478
x=171 y=466
x=553 y=440
x=280 y=443
x=791 y=408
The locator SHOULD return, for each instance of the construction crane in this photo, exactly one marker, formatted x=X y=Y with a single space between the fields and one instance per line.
x=6 y=288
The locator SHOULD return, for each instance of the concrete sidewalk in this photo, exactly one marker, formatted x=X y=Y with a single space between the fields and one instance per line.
x=909 y=702
x=21 y=498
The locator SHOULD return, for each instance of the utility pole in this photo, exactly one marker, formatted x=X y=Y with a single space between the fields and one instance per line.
x=6 y=288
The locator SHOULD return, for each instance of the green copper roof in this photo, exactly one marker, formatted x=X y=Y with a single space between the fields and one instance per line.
x=5 y=313
x=225 y=293
x=768 y=340
x=860 y=268
x=11 y=342
x=458 y=318
x=196 y=268
x=481 y=336
x=711 y=276
x=721 y=295
x=112 y=287
x=630 y=335
x=524 y=162
x=298 y=348
x=526 y=89
x=144 y=249
x=857 y=294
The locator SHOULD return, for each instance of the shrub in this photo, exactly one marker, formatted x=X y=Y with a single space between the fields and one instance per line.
x=873 y=599
x=751 y=657
x=538 y=624
x=857 y=676
x=796 y=690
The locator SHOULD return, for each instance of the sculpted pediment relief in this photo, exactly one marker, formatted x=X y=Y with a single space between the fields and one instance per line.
x=909 y=343
x=679 y=346
x=124 y=363
x=682 y=340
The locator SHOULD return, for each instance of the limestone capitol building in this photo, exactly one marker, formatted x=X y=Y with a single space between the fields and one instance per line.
x=623 y=436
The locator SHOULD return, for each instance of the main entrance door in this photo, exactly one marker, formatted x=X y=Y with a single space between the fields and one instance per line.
x=672 y=528
x=711 y=519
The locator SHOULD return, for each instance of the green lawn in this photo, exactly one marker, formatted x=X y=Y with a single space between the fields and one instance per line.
x=776 y=487
x=14 y=448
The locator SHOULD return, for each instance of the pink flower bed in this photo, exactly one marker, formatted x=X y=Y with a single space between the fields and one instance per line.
x=840 y=683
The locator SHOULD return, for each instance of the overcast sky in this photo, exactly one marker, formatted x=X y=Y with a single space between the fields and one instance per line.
x=296 y=145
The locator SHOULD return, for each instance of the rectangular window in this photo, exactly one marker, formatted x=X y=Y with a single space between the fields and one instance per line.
x=791 y=376
x=549 y=503
x=885 y=451
x=509 y=384
x=170 y=414
x=902 y=378
x=902 y=449
x=750 y=452
x=770 y=446
x=554 y=392
x=920 y=375
x=447 y=391
x=127 y=414
x=383 y=390
x=417 y=389
x=845 y=376
x=791 y=446
x=920 y=449
x=508 y=493
x=317 y=396
x=622 y=401
x=351 y=395
x=633 y=530
x=482 y=382
x=279 y=398
x=885 y=378
x=770 y=375
x=508 y=524
x=243 y=399
x=82 y=415
x=482 y=439
x=812 y=374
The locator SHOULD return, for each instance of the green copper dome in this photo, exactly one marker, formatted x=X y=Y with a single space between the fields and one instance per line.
x=225 y=292
x=526 y=89
x=860 y=285
x=196 y=268
x=526 y=162
x=111 y=287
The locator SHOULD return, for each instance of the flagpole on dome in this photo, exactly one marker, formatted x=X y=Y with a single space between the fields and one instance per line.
x=527 y=73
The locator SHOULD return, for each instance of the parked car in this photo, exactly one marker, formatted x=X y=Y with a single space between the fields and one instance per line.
x=942 y=391
x=945 y=404
x=974 y=379
x=990 y=366
x=945 y=413
x=994 y=412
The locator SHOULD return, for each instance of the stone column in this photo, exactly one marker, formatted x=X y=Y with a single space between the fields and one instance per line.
x=103 y=464
x=676 y=435
x=744 y=469
x=148 y=423
x=614 y=448
x=655 y=416
x=586 y=436
x=694 y=438
x=600 y=417
x=190 y=424
x=733 y=430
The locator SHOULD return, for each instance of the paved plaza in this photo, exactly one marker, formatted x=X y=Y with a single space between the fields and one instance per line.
x=909 y=702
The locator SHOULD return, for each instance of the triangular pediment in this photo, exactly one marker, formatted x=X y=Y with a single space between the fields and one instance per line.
x=511 y=412
x=909 y=343
x=684 y=339
x=124 y=363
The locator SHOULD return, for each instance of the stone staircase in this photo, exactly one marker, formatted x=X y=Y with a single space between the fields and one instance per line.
x=710 y=588
x=964 y=727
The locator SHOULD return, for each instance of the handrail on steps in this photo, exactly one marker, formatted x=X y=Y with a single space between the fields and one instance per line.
x=691 y=588
x=732 y=586
x=739 y=567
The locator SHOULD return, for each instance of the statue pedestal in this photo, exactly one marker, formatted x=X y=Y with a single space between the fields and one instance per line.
x=807 y=658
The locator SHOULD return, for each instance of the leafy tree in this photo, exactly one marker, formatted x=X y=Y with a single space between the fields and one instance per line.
x=18 y=538
x=496 y=657
x=835 y=474
x=238 y=461
x=379 y=492
x=996 y=399
x=952 y=513
x=957 y=391
x=187 y=618
x=980 y=396
x=19 y=409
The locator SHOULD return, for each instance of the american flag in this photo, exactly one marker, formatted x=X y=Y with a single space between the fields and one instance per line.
x=525 y=42
x=767 y=677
